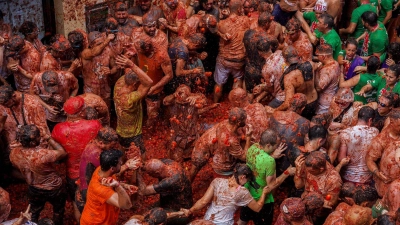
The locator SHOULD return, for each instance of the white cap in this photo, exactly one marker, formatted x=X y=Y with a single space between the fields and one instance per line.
x=321 y=6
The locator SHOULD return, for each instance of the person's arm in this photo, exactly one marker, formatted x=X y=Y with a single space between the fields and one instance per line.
x=343 y=150
x=278 y=181
x=371 y=159
x=366 y=88
x=60 y=151
x=180 y=71
x=169 y=100
x=168 y=75
x=305 y=26
x=24 y=217
x=350 y=82
x=73 y=84
x=256 y=206
x=342 y=163
x=289 y=92
x=201 y=203
x=143 y=188
x=298 y=179
x=131 y=164
x=349 y=30
x=120 y=198
x=89 y=53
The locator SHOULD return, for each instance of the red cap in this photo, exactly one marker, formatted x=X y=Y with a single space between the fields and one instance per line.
x=74 y=105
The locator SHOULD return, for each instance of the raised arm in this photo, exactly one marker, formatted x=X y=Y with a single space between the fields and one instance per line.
x=89 y=53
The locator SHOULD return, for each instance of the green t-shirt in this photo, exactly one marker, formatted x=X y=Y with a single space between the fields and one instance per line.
x=262 y=165
x=377 y=42
x=380 y=84
x=356 y=18
x=386 y=6
x=332 y=38
x=313 y=21
x=365 y=79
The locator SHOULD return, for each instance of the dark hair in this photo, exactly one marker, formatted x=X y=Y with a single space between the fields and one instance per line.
x=263 y=44
x=396 y=69
x=392 y=97
x=373 y=64
x=264 y=18
x=269 y=136
x=156 y=216
x=107 y=135
x=352 y=41
x=6 y=93
x=313 y=202
x=394 y=50
x=120 y=6
x=293 y=24
x=111 y=23
x=317 y=131
x=365 y=193
x=366 y=113
x=243 y=169
x=45 y=221
x=370 y=18
x=48 y=74
x=24 y=134
x=27 y=27
x=15 y=45
x=198 y=39
x=109 y=158
x=91 y=113
x=328 y=20
x=237 y=114
x=75 y=38
x=131 y=78
x=385 y=220
x=347 y=190
x=323 y=119
x=316 y=160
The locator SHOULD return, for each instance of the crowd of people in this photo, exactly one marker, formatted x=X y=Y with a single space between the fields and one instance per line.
x=313 y=90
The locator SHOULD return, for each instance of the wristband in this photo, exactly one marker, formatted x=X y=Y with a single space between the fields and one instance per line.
x=286 y=172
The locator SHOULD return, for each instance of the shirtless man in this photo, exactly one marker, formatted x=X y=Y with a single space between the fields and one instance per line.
x=223 y=141
x=52 y=89
x=126 y=25
x=198 y=24
x=383 y=147
x=185 y=108
x=31 y=31
x=354 y=144
x=79 y=42
x=23 y=61
x=150 y=29
x=272 y=28
x=257 y=117
x=98 y=63
x=231 y=57
x=326 y=78
x=157 y=64
x=299 y=40
x=60 y=51
x=120 y=41
x=175 y=15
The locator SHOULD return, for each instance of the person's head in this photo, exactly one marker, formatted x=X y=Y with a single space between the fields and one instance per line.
x=8 y=97
x=235 y=6
x=385 y=220
x=237 y=116
x=144 y=5
x=196 y=41
x=323 y=119
x=392 y=75
x=291 y=55
x=249 y=6
x=394 y=116
x=313 y=201
x=269 y=140
x=358 y=215
x=325 y=23
x=172 y=4
x=369 y=19
x=264 y=20
x=348 y=190
x=293 y=29
x=131 y=79
x=243 y=174
x=50 y=81
x=315 y=163
x=59 y=46
x=293 y=210
x=238 y=97
x=320 y=7
x=76 y=40
x=324 y=52
x=156 y=216
x=29 y=30
x=207 y=4
x=263 y=46
x=366 y=114
x=149 y=23
x=208 y=22
x=91 y=113
x=111 y=25
x=73 y=107
x=16 y=47
x=224 y=11
x=394 y=52
x=111 y=160
x=95 y=38
x=121 y=12
x=318 y=135
x=5 y=206
x=344 y=97
x=373 y=64
x=182 y=93
x=386 y=102
x=45 y=221
x=351 y=47
x=145 y=45
x=154 y=167
x=274 y=44
x=365 y=195
x=28 y=136
x=106 y=137
x=298 y=102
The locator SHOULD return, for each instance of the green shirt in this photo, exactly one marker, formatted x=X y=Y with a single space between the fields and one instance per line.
x=380 y=85
x=356 y=18
x=332 y=38
x=386 y=6
x=377 y=42
x=262 y=165
x=313 y=21
x=365 y=79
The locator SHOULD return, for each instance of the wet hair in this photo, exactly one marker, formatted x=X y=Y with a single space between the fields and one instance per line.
x=298 y=101
x=394 y=50
x=313 y=201
x=396 y=69
x=156 y=216
x=131 y=78
x=111 y=23
x=316 y=160
x=373 y=64
x=317 y=131
x=235 y=5
x=150 y=16
x=293 y=24
x=6 y=93
x=328 y=20
x=198 y=39
x=144 y=43
x=306 y=70
x=370 y=18
x=236 y=114
x=269 y=136
x=45 y=221
x=264 y=18
x=365 y=193
x=107 y=135
x=27 y=28
x=325 y=49
x=347 y=190
x=110 y=158
x=366 y=113
x=395 y=114
x=27 y=133
x=48 y=74
x=91 y=113
x=263 y=7
x=385 y=220
x=15 y=45
x=263 y=44
x=352 y=41
x=243 y=169
x=274 y=44
x=76 y=39
x=120 y=6
x=392 y=97
x=323 y=119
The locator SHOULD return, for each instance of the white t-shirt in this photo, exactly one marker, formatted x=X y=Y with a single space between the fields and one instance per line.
x=226 y=202
x=133 y=221
x=10 y=222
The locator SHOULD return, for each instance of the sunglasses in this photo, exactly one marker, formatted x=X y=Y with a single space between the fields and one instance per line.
x=381 y=104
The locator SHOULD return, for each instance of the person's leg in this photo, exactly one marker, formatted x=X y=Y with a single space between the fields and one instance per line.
x=237 y=77
x=37 y=200
x=57 y=199
x=265 y=216
x=220 y=77
x=246 y=215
